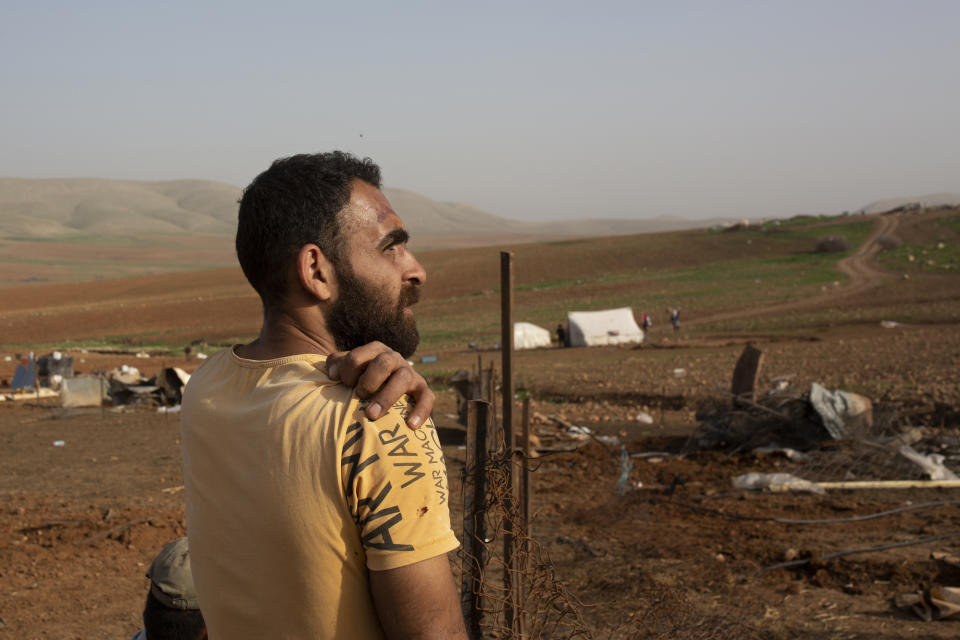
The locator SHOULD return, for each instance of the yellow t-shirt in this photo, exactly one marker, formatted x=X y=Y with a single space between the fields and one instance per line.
x=292 y=494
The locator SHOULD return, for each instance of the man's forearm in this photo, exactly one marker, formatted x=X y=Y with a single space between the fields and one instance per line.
x=418 y=602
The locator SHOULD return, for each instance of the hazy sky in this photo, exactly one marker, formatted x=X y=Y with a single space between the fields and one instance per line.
x=530 y=110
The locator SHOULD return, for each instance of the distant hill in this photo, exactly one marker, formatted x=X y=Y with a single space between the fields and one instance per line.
x=92 y=206
x=917 y=202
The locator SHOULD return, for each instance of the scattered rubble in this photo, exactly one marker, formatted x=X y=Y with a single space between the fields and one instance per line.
x=937 y=602
x=839 y=439
x=52 y=376
x=83 y=391
x=775 y=482
x=932 y=463
x=839 y=409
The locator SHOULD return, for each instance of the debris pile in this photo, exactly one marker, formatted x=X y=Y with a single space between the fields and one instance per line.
x=52 y=376
x=833 y=436
x=937 y=602
x=128 y=387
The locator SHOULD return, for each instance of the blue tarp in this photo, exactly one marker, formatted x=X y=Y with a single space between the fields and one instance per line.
x=25 y=377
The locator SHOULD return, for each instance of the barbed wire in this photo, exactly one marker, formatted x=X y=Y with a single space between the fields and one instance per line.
x=549 y=609
x=547 y=606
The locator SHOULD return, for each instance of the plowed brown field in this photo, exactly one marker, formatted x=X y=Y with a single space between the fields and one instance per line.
x=676 y=558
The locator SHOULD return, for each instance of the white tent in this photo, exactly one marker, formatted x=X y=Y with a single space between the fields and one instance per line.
x=612 y=326
x=529 y=336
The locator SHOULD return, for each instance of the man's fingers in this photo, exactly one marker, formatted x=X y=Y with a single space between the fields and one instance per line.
x=382 y=376
x=400 y=383
x=421 y=410
x=348 y=366
x=386 y=395
x=333 y=364
x=379 y=371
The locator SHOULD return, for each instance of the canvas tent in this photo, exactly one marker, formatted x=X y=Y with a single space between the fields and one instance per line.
x=611 y=326
x=529 y=336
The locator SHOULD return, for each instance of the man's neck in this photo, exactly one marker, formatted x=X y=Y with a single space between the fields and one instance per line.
x=283 y=334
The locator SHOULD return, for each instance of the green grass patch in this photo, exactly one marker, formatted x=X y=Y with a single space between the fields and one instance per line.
x=784 y=270
x=539 y=286
x=556 y=284
x=796 y=221
x=855 y=232
x=145 y=341
x=121 y=343
x=950 y=221
x=923 y=258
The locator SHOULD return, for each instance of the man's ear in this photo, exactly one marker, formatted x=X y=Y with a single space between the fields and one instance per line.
x=315 y=272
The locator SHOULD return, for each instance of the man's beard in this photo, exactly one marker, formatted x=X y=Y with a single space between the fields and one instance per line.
x=362 y=314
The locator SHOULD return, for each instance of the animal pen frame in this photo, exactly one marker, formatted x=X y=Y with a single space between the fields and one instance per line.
x=523 y=599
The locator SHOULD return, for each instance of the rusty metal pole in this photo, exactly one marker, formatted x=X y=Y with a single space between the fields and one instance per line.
x=474 y=516
x=506 y=343
x=492 y=392
x=525 y=483
x=510 y=573
x=525 y=498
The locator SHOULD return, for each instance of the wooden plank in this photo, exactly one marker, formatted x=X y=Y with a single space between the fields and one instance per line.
x=882 y=484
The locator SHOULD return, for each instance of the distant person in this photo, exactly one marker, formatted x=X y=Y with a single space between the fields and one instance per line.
x=675 y=319
x=647 y=322
x=314 y=510
x=561 y=336
x=172 y=611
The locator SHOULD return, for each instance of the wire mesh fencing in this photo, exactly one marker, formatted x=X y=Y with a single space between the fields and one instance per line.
x=509 y=585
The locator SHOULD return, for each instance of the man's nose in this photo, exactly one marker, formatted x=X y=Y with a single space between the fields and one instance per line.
x=415 y=273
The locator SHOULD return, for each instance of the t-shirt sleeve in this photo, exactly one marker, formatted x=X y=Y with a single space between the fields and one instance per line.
x=395 y=485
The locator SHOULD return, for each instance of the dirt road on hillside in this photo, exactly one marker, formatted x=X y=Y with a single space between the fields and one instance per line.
x=859 y=267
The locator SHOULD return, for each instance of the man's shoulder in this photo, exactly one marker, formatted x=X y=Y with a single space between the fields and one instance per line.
x=283 y=388
x=276 y=373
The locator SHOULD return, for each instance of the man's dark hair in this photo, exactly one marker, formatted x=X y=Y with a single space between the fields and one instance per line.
x=164 y=623
x=293 y=203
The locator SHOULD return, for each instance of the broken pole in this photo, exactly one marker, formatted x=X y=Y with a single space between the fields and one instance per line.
x=475 y=515
x=485 y=384
x=745 y=375
x=510 y=572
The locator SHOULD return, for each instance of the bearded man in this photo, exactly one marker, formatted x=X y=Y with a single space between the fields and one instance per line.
x=311 y=514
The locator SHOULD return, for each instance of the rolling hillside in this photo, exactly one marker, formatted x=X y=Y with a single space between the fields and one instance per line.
x=65 y=207
x=115 y=207
x=706 y=273
x=82 y=229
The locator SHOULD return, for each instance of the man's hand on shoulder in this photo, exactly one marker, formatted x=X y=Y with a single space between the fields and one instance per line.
x=381 y=376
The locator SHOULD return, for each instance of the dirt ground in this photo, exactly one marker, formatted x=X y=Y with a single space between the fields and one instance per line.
x=680 y=555
x=81 y=522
